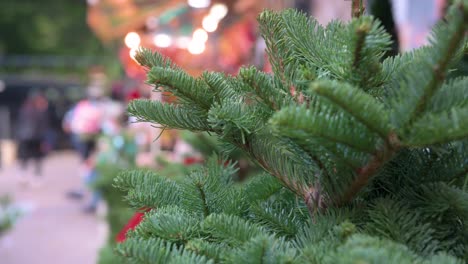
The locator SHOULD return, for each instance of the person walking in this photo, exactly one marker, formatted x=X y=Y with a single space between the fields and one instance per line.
x=32 y=126
x=84 y=122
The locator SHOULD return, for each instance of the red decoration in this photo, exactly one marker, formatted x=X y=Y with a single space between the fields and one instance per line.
x=192 y=160
x=131 y=224
x=132 y=95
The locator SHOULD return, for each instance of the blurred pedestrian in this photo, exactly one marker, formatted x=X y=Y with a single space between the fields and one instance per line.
x=32 y=126
x=84 y=123
x=87 y=121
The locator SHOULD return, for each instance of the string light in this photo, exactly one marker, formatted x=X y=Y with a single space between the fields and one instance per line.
x=162 y=40
x=218 y=11
x=199 y=3
x=200 y=35
x=196 y=47
x=210 y=23
x=132 y=40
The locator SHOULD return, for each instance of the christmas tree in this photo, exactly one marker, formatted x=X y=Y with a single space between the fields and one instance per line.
x=365 y=158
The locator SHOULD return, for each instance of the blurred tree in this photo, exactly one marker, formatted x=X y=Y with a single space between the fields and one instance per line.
x=54 y=27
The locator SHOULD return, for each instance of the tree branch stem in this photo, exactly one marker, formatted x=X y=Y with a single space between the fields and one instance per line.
x=357 y=8
x=439 y=70
x=369 y=170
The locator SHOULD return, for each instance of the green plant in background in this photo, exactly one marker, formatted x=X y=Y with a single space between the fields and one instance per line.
x=365 y=159
x=118 y=211
x=8 y=214
x=50 y=28
x=116 y=153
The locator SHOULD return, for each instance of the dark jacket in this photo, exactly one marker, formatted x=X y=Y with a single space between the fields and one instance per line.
x=32 y=123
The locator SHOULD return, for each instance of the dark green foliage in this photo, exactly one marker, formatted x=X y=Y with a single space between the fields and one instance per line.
x=207 y=210
x=365 y=158
x=156 y=251
x=396 y=221
x=263 y=249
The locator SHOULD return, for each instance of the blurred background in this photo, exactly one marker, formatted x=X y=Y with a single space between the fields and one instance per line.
x=66 y=75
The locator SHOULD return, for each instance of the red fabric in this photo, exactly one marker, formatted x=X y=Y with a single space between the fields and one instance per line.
x=131 y=224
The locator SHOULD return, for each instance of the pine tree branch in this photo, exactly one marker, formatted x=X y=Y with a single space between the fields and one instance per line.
x=206 y=210
x=366 y=172
x=182 y=85
x=169 y=115
x=271 y=26
x=146 y=58
x=438 y=128
x=313 y=199
x=261 y=85
x=462 y=173
x=288 y=183
x=322 y=122
x=361 y=33
x=439 y=70
x=363 y=177
x=357 y=8
x=365 y=108
x=311 y=195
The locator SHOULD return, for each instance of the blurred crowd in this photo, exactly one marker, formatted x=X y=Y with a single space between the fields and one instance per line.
x=86 y=122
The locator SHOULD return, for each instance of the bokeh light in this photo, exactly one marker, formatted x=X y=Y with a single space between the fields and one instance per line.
x=133 y=52
x=132 y=40
x=199 y=3
x=210 y=23
x=218 y=11
x=162 y=40
x=200 y=35
x=196 y=47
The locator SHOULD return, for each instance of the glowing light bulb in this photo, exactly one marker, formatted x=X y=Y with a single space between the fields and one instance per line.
x=162 y=40
x=200 y=35
x=133 y=53
x=210 y=23
x=199 y=3
x=196 y=47
x=132 y=40
x=219 y=11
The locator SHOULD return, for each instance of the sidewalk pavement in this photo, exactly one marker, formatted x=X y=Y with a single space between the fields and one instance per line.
x=53 y=228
